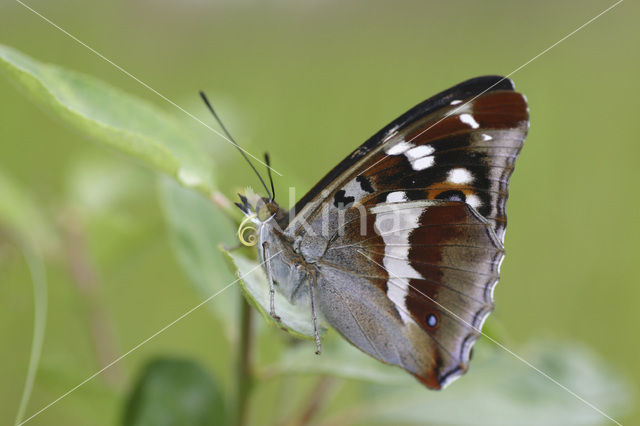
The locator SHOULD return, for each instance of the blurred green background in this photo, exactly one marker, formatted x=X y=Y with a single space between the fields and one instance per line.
x=309 y=81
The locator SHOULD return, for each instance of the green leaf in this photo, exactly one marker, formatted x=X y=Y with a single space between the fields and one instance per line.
x=174 y=392
x=500 y=389
x=117 y=119
x=197 y=228
x=296 y=319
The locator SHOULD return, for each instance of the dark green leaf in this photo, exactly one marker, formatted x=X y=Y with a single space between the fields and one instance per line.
x=174 y=392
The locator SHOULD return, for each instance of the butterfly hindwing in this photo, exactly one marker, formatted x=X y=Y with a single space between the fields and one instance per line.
x=432 y=284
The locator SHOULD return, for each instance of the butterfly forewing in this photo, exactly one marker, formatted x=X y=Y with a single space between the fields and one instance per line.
x=466 y=150
x=468 y=155
x=415 y=220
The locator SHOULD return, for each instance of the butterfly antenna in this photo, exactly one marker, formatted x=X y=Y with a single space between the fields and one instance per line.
x=268 y=161
x=226 y=132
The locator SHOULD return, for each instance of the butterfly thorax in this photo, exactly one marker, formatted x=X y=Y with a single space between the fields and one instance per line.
x=290 y=259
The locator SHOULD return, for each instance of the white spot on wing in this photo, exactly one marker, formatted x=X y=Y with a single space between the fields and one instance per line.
x=486 y=137
x=423 y=163
x=396 y=197
x=468 y=119
x=420 y=156
x=460 y=176
x=474 y=201
x=419 y=152
x=456 y=102
x=399 y=148
x=354 y=189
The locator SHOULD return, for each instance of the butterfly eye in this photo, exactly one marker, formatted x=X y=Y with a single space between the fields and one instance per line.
x=263 y=213
x=432 y=320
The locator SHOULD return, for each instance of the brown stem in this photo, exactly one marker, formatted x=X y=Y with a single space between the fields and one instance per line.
x=314 y=402
x=87 y=281
x=244 y=372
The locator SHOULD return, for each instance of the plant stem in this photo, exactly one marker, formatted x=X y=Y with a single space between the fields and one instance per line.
x=244 y=373
x=87 y=280
x=317 y=398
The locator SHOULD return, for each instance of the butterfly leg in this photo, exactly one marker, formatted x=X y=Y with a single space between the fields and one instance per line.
x=316 y=334
x=272 y=290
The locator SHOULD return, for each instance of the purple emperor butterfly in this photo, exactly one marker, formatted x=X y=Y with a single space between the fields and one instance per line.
x=399 y=246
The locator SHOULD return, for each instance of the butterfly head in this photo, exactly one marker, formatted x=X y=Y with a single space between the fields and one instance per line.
x=257 y=218
x=266 y=209
x=262 y=210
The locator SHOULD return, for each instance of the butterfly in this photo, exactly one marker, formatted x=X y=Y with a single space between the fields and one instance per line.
x=399 y=246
